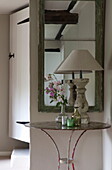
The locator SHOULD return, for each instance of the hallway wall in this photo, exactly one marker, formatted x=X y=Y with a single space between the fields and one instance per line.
x=107 y=134
x=43 y=154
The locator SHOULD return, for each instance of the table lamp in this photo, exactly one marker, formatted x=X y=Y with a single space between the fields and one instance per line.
x=79 y=61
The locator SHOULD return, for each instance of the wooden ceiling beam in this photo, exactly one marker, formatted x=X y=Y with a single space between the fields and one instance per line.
x=60 y=17
x=23 y=21
x=59 y=34
x=71 y=6
x=52 y=50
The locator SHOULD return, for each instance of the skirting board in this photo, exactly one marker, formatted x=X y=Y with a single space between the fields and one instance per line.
x=5 y=153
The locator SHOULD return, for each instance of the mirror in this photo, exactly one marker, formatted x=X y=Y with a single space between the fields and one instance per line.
x=79 y=25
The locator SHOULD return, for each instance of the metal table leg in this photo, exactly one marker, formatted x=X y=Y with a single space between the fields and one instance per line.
x=74 y=149
x=69 y=160
x=54 y=145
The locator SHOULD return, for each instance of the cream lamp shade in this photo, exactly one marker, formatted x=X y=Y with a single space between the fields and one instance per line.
x=78 y=60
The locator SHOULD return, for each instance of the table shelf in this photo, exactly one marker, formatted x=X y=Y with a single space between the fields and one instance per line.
x=58 y=126
x=46 y=126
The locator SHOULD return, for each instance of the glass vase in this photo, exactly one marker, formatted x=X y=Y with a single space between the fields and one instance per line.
x=61 y=114
x=62 y=110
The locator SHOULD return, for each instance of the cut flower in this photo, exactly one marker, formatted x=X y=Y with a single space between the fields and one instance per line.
x=56 y=93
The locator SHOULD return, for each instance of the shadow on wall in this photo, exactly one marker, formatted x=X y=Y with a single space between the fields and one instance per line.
x=110 y=64
x=111 y=103
x=109 y=67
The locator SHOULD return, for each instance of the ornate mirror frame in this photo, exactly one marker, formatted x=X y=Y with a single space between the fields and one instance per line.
x=99 y=76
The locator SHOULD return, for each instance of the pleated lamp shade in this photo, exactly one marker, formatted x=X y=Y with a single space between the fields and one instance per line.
x=78 y=60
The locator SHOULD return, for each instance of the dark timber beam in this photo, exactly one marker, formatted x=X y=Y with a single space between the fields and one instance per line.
x=59 y=35
x=23 y=21
x=52 y=50
x=60 y=17
x=71 y=5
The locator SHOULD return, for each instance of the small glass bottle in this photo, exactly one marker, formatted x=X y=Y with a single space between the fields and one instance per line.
x=77 y=117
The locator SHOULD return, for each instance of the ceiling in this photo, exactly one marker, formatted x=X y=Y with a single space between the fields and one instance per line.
x=8 y=6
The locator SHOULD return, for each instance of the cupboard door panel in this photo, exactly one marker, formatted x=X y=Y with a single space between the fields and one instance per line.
x=19 y=78
x=23 y=71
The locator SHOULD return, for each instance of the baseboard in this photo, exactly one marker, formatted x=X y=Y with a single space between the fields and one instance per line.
x=5 y=153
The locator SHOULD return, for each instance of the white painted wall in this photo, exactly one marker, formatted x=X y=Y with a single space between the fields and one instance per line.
x=85 y=29
x=6 y=143
x=107 y=135
x=43 y=155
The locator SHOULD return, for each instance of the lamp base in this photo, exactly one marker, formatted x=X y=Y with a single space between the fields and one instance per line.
x=81 y=101
x=72 y=89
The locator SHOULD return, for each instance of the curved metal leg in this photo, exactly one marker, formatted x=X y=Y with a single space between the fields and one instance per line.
x=54 y=145
x=74 y=149
x=69 y=146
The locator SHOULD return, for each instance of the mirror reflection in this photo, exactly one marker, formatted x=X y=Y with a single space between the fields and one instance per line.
x=68 y=25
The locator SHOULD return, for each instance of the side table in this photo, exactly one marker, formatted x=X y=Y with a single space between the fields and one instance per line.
x=44 y=126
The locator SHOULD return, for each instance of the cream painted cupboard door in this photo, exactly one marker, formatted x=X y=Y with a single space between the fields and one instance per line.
x=19 y=76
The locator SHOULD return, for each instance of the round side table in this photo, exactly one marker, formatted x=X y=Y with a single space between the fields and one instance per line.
x=44 y=126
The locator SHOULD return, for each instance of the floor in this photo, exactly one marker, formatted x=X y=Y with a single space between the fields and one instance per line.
x=5 y=164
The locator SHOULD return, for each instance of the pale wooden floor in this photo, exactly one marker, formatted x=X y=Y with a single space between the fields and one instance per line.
x=5 y=164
